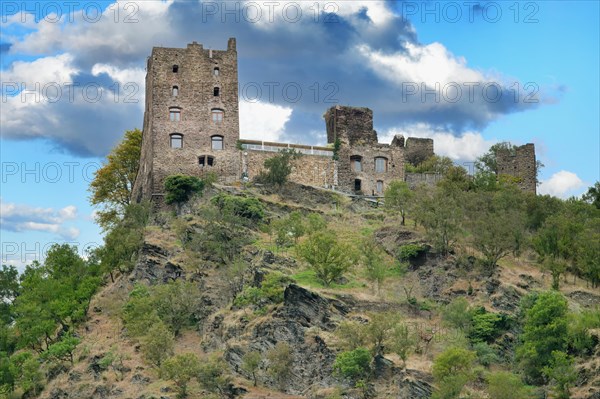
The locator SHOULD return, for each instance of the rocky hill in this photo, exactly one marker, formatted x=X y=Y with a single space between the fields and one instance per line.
x=258 y=296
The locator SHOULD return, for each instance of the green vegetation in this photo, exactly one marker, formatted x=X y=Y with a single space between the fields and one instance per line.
x=250 y=364
x=281 y=362
x=278 y=168
x=249 y=208
x=452 y=370
x=398 y=198
x=270 y=291
x=181 y=369
x=354 y=365
x=180 y=188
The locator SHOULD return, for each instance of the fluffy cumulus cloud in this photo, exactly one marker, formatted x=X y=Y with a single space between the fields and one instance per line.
x=23 y=218
x=361 y=53
x=563 y=184
x=263 y=121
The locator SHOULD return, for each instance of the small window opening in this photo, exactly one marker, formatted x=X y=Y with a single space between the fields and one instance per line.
x=216 y=143
x=206 y=160
x=356 y=161
x=216 y=72
x=216 y=92
x=175 y=91
x=174 y=114
x=176 y=140
x=175 y=68
x=380 y=165
x=357 y=185
x=217 y=115
x=379 y=186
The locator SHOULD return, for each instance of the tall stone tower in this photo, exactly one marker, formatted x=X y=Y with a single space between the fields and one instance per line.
x=521 y=164
x=191 y=120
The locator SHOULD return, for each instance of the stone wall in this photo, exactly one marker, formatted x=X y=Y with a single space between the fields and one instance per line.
x=352 y=125
x=312 y=170
x=196 y=83
x=417 y=150
x=415 y=179
x=520 y=163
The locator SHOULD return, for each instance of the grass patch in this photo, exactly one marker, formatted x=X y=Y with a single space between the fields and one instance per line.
x=309 y=279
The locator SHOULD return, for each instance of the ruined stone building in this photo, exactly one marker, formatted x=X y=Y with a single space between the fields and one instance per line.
x=191 y=126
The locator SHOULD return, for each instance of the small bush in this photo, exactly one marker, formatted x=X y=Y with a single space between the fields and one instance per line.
x=409 y=251
x=180 y=188
x=249 y=208
x=355 y=365
x=270 y=291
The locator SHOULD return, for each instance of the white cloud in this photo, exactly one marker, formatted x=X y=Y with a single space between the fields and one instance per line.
x=562 y=184
x=466 y=147
x=22 y=218
x=263 y=121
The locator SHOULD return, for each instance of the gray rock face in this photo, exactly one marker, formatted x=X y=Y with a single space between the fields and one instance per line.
x=415 y=385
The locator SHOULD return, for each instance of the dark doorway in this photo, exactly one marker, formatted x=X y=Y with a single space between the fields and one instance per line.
x=357 y=185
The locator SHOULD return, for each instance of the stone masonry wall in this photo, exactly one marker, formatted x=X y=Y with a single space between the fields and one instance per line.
x=520 y=164
x=417 y=150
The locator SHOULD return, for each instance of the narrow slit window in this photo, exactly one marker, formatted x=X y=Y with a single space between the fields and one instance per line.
x=357 y=185
x=216 y=92
x=175 y=68
x=176 y=140
x=216 y=143
x=175 y=91
x=216 y=71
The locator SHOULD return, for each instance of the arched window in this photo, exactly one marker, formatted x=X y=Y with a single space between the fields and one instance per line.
x=216 y=92
x=356 y=161
x=176 y=140
x=217 y=115
x=175 y=68
x=380 y=164
x=174 y=114
x=216 y=143
x=175 y=91
x=206 y=160
x=216 y=71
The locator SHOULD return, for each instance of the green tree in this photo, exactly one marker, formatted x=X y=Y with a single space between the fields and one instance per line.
x=452 y=370
x=213 y=376
x=326 y=256
x=545 y=330
x=561 y=372
x=181 y=369
x=113 y=183
x=398 y=197
x=177 y=303
x=281 y=362
x=592 y=196
x=180 y=188
x=458 y=314
x=279 y=167
x=314 y=223
x=506 y=385
x=588 y=251
x=62 y=350
x=250 y=364
x=355 y=365
x=375 y=264
x=487 y=162
x=157 y=345
x=25 y=368
x=401 y=342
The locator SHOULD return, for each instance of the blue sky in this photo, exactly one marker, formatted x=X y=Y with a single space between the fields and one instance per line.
x=82 y=71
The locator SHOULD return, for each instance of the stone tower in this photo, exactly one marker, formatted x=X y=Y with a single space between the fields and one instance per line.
x=191 y=121
x=520 y=163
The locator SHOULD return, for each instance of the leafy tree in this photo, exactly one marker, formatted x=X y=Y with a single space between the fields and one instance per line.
x=326 y=256
x=181 y=369
x=592 y=196
x=157 y=345
x=452 y=370
x=486 y=355
x=378 y=330
x=290 y=227
x=561 y=372
x=314 y=223
x=506 y=385
x=545 y=330
x=352 y=335
x=9 y=290
x=62 y=350
x=487 y=162
x=398 y=197
x=235 y=276
x=433 y=164
x=249 y=208
x=281 y=362
x=376 y=266
x=496 y=223
x=485 y=326
x=355 y=365
x=440 y=213
x=279 y=167
x=580 y=340
x=401 y=342
x=177 y=303
x=458 y=314
x=25 y=369
x=213 y=375
x=113 y=183
x=588 y=251
x=250 y=364
x=180 y=188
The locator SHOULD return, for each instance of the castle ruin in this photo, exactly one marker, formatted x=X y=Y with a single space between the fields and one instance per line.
x=191 y=126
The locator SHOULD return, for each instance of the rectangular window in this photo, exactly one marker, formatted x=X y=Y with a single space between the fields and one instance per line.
x=175 y=115
x=217 y=143
x=357 y=165
x=379 y=187
x=217 y=116
x=380 y=165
